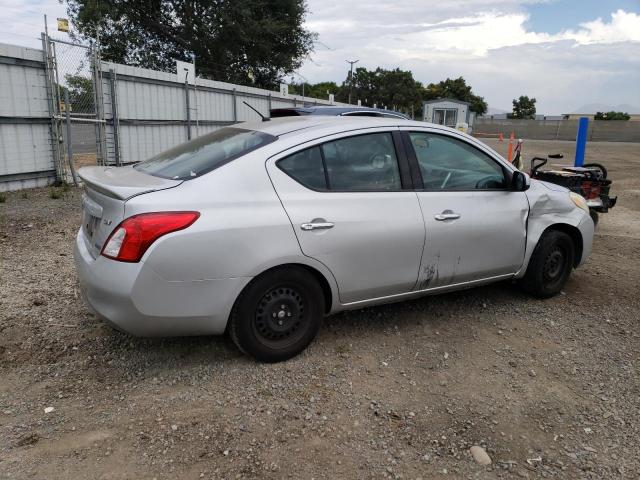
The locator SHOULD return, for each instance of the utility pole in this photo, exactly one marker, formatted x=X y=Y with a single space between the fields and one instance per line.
x=351 y=62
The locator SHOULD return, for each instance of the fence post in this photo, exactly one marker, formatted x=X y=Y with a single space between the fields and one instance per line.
x=67 y=107
x=186 y=93
x=114 y=116
x=53 y=126
x=98 y=98
x=235 y=106
x=269 y=103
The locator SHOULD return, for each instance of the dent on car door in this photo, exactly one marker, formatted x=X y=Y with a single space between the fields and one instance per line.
x=352 y=208
x=475 y=225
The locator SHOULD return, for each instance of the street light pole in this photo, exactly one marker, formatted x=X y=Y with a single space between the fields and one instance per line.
x=351 y=62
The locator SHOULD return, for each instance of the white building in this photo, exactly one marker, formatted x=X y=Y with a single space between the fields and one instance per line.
x=448 y=112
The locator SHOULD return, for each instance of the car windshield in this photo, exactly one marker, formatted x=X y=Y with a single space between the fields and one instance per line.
x=208 y=152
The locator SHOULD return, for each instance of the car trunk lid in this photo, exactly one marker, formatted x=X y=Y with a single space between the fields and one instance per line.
x=106 y=190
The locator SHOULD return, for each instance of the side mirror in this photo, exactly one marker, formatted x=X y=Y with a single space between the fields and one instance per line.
x=520 y=181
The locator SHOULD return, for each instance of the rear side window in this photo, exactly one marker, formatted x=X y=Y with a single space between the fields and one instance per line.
x=208 y=152
x=359 y=163
x=306 y=168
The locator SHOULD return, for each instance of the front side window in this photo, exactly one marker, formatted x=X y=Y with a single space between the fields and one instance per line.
x=447 y=163
x=360 y=163
x=205 y=153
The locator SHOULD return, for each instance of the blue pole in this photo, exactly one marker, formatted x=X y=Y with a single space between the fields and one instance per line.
x=581 y=141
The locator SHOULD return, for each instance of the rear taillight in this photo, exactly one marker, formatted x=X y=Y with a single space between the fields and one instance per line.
x=130 y=239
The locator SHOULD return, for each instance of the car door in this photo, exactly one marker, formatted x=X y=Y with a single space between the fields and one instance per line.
x=352 y=207
x=475 y=224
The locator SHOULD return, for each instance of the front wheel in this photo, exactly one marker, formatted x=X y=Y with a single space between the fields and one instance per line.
x=277 y=315
x=550 y=265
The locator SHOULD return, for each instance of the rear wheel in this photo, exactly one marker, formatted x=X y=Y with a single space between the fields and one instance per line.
x=277 y=315
x=550 y=265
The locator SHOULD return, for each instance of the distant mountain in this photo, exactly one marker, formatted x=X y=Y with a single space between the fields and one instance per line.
x=601 y=107
x=496 y=111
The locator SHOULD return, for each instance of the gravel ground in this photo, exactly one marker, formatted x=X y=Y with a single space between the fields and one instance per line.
x=549 y=389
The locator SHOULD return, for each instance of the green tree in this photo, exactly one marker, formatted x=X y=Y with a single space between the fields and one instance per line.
x=80 y=93
x=524 y=107
x=315 y=90
x=458 y=89
x=240 y=41
x=612 y=116
x=393 y=89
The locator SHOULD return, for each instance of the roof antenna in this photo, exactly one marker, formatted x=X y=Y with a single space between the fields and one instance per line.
x=264 y=119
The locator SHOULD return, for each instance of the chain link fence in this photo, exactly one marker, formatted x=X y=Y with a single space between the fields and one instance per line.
x=77 y=109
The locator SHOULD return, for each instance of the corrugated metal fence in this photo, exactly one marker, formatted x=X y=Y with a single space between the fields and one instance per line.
x=147 y=111
x=599 y=130
x=137 y=112
x=26 y=157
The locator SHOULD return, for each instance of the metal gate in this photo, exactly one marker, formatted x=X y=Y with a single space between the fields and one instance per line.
x=75 y=88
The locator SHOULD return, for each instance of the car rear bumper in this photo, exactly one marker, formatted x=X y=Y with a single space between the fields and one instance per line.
x=134 y=298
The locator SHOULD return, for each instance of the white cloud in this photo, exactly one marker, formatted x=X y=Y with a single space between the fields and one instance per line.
x=489 y=44
x=624 y=26
x=22 y=21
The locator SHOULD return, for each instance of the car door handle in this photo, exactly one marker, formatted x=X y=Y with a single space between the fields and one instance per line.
x=446 y=215
x=316 y=226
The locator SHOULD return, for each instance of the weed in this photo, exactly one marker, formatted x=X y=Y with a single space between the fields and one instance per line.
x=24 y=195
x=3 y=197
x=55 y=193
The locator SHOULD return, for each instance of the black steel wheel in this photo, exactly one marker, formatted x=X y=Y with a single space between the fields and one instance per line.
x=278 y=314
x=550 y=265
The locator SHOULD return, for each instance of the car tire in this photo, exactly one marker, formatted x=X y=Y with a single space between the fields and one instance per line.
x=550 y=265
x=277 y=315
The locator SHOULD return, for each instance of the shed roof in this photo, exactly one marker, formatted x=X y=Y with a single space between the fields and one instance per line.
x=440 y=100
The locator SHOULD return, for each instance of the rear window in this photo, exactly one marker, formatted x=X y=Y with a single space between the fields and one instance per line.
x=208 y=152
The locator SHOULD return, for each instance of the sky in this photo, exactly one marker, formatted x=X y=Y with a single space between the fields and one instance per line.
x=565 y=53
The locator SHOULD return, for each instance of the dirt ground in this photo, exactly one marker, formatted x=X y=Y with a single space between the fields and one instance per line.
x=549 y=388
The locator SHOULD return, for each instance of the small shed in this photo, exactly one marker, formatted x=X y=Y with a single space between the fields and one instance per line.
x=447 y=111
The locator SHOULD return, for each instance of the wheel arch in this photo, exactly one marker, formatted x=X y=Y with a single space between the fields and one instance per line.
x=575 y=235
x=321 y=278
x=537 y=228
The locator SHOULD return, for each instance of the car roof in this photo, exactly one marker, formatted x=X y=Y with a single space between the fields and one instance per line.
x=286 y=125
x=335 y=110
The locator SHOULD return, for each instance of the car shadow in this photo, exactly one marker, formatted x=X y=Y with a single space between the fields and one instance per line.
x=148 y=355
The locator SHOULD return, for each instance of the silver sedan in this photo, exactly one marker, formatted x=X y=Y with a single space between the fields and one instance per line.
x=262 y=229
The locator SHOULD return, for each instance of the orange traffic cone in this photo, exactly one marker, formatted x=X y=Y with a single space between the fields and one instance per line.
x=501 y=138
